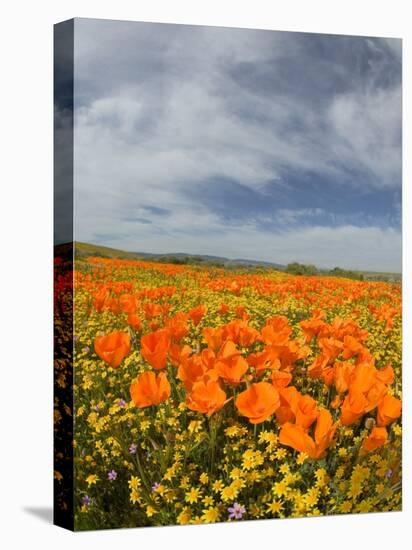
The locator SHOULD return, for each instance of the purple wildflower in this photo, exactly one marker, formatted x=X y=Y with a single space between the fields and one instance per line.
x=236 y=511
x=155 y=486
x=112 y=475
x=133 y=449
x=86 y=500
x=389 y=474
x=121 y=403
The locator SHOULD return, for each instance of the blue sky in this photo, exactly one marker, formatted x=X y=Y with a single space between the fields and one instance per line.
x=252 y=144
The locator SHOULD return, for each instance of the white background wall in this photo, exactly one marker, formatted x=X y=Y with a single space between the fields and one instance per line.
x=26 y=120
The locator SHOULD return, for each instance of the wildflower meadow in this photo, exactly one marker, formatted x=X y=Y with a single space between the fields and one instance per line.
x=204 y=394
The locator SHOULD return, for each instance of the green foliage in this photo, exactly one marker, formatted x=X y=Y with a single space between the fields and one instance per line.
x=301 y=269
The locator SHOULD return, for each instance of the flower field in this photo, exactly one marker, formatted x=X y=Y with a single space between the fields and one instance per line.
x=204 y=395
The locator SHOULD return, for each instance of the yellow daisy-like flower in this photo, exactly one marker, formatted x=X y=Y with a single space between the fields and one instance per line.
x=281 y=454
x=301 y=458
x=284 y=469
x=134 y=482
x=232 y=431
x=150 y=511
x=217 y=486
x=184 y=517
x=397 y=430
x=210 y=515
x=280 y=489
x=193 y=495
x=236 y=473
x=208 y=500
x=275 y=507
x=229 y=493
x=91 y=479
x=204 y=478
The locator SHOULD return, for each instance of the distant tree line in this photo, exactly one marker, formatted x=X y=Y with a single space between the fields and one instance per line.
x=296 y=268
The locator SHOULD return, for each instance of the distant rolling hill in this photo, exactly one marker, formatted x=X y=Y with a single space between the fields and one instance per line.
x=82 y=250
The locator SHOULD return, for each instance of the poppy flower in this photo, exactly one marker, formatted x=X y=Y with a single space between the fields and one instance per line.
x=258 y=402
x=113 y=347
x=178 y=327
x=241 y=312
x=351 y=347
x=386 y=375
x=306 y=411
x=178 y=353
x=224 y=308
x=354 y=406
x=100 y=299
x=295 y=436
x=289 y=398
x=363 y=378
x=324 y=432
x=276 y=331
x=150 y=389
x=152 y=310
x=206 y=397
x=342 y=375
x=128 y=303
x=232 y=369
x=197 y=314
x=389 y=409
x=191 y=370
x=154 y=348
x=213 y=337
x=134 y=321
x=377 y=438
x=281 y=379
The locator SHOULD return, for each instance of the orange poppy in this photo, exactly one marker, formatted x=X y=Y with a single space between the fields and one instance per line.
x=206 y=397
x=224 y=308
x=289 y=398
x=232 y=369
x=213 y=337
x=386 y=375
x=197 y=314
x=324 y=432
x=178 y=327
x=113 y=347
x=154 y=348
x=134 y=321
x=150 y=389
x=377 y=438
x=281 y=379
x=258 y=402
x=128 y=303
x=342 y=375
x=295 y=436
x=354 y=406
x=152 y=310
x=100 y=298
x=276 y=331
x=389 y=409
x=191 y=370
x=241 y=312
x=306 y=411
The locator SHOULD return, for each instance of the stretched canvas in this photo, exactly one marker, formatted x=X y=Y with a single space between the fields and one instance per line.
x=227 y=274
